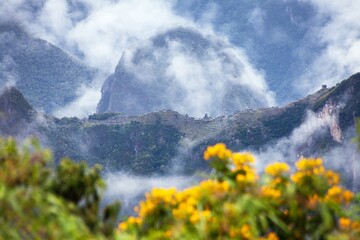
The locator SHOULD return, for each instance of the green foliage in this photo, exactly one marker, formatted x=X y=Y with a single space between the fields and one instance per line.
x=41 y=201
x=138 y=148
x=102 y=116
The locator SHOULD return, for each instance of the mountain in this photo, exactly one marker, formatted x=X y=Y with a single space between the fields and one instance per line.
x=15 y=112
x=47 y=76
x=167 y=142
x=181 y=69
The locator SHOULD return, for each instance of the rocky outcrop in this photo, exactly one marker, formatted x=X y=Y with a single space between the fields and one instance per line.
x=330 y=114
x=15 y=112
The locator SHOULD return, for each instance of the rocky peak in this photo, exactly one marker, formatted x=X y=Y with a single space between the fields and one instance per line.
x=14 y=111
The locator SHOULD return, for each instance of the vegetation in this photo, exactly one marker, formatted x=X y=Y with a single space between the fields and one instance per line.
x=236 y=203
x=41 y=201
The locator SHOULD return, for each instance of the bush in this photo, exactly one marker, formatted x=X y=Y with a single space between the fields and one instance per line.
x=41 y=201
x=236 y=203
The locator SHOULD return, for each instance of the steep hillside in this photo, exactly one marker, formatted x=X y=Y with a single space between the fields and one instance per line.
x=47 y=76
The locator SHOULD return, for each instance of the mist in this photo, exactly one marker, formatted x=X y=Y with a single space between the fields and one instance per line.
x=129 y=189
x=189 y=72
x=98 y=32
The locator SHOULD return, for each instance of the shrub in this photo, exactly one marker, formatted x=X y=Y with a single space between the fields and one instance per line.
x=236 y=203
x=41 y=201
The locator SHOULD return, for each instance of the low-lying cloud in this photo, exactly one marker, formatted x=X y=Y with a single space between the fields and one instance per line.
x=100 y=31
x=336 y=32
x=83 y=105
x=131 y=189
x=96 y=30
x=290 y=148
x=189 y=72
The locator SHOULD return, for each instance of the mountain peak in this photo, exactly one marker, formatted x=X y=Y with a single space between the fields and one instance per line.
x=14 y=111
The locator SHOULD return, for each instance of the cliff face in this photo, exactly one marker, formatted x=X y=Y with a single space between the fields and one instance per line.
x=330 y=113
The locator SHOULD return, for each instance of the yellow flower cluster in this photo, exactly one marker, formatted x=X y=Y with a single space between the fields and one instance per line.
x=156 y=197
x=309 y=164
x=245 y=172
x=339 y=195
x=277 y=169
x=241 y=159
x=313 y=167
x=332 y=178
x=270 y=192
x=217 y=151
x=346 y=224
x=234 y=204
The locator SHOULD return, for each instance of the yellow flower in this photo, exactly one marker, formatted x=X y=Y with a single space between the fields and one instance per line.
x=272 y=236
x=195 y=217
x=123 y=226
x=219 y=150
x=277 y=169
x=168 y=234
x=270 y=192
x=134 y=220
x=308 y=164
x=246 y=231
x=239 y=159
x=297 y=177
x=338 y=194
x=247 y=178
x=347 y=196
x=332 y=178
x=334 y=193
x=344 y=223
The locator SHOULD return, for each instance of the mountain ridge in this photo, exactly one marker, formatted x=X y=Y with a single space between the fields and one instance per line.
x=165 y=142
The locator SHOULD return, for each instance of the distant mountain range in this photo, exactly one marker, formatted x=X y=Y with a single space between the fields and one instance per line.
x=167 y=142
x=47 y=76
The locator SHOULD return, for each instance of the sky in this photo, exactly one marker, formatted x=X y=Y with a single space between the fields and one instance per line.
x=292 y=46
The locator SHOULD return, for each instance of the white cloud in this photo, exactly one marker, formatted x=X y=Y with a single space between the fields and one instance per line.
x=105 y=30
x=84 y=105
x=337 y=32
x=195 y=74
x=287 y=148
x=54 y=17
x=130 y=189
x=256 y=18
x=99 y=31
x=8 y=73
